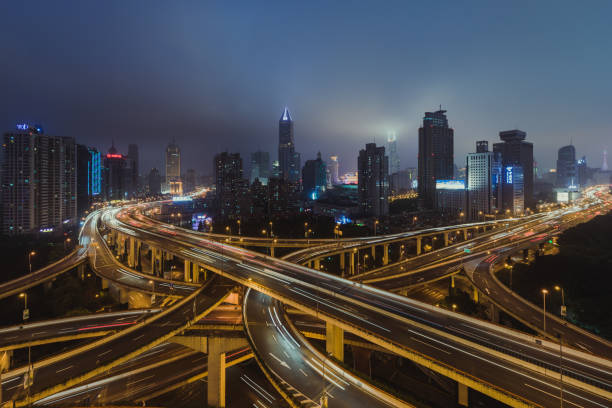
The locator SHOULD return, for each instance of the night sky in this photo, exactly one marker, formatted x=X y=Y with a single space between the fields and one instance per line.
x=216 y=75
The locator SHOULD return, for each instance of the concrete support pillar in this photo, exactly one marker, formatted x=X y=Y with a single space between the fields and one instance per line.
x=104 y=284
x=81 y=269
x=462 y=395
x=138 y=261
x=342 y=263
x=373 y=252
x=418 y=245
x=334 y=341
x=317 y=264
x=131 y=252
x=352 y=262
x=385 y=254
x=475 y=295
x=152 y=270
x=188 y=271
x=446 y=239
x=494 y=313
x=5 y=360
x=465 y=234
x=216 y=373
x=271 y=251
x=453 y=281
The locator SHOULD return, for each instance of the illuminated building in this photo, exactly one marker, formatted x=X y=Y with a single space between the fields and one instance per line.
x=173 y=169
x=288 y=158
x=38 y=181
x=515 y=151
x=314 y=178
x=394 y=162
x=567 y=176
x=231 y=188
x=435 y=155
x=89 y=177
x=333 y=168
x=450 y=196
x=260 y=167
x=483 y=181
x=373 y=181
x=115 y=175
x=513 y=193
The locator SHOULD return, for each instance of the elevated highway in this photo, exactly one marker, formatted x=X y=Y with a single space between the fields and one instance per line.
x=405 y=327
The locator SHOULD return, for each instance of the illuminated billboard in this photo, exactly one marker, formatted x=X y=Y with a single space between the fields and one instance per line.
x=450 y=184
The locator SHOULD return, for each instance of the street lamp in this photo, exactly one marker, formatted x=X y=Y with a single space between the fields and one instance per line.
x=153 y=290
x=414 y=219
x=375 y=225
x=227 y=230
x=30 y=255
x=454 y=307
x=563 y=309
x=239 y=230
x=305 y=230
x=263 y=232
x=271 y=233
x=544 y=293
x=26 y=314
x=66 y=243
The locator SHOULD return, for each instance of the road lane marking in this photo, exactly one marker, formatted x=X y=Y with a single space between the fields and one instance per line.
x=64 y=369
x=552 y=395
x=427 y=344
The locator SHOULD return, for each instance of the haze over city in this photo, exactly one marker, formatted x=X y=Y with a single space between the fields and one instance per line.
x=216 y=76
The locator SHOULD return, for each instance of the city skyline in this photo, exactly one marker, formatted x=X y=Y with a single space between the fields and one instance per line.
x=347 y=90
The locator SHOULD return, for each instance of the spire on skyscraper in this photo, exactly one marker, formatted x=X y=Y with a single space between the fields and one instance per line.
x=286 y=116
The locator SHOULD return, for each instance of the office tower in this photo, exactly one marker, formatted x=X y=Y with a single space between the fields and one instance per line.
x=516 y=151
x=133 y=164
x=566 y=167
x=314 y=178
x=39 y=184
x=288 y=158
x=173 y=169
x=333 y=167
x=483 y=181
x=189 y=181
x=582 y=172
x=230 y=186
x=116 y=175
x=513 y=190
x=604 y=165
x=373 y=181
x=394 y=162
x=451 y=196
x=260 y=167
x=89 y=177
x=435 y=155
x=154 y=182
x=275 y=173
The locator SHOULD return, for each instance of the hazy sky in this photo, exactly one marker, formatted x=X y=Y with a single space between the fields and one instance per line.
x=216 y=75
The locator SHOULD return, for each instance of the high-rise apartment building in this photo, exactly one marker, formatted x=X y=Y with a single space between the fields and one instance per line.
x=394 y=161
x=483 y=181
x=373 y=181
x=515 y=151
x=435 y=155
x=38 y=181
x=116 y=176
x=566 y=167
x=582 y=172
x=173 y=169
x=402 y=181
x=260 y=167
x=288 y=158
x=314 y=178
x=230 y=186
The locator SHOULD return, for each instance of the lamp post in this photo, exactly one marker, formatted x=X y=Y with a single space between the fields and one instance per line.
x=559 y=288
x=228 y=231
x=66 y=243
x=239 y=229
x=414 y=220
x=305 y=230
x=375 y=225
x=544 y=293
x=271 y=233
x=30 y=255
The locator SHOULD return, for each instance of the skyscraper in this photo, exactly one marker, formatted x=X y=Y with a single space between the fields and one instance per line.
x=314 y=178
x=513 y=190
x=333 y=168
x=288 y=158
x=516 y=151
x=582 y=172
x=604 y=165
x=373 y=181
x=567 y=174
x=483 y=181
x=435 y=155
x=38 y=181
x=394 y=162
x=260 y=167
x=189 y=181
x=116 y=175
x=154 y=182
x=89 y=176
x=133 y=163
x=173 y=169
x=230 y=186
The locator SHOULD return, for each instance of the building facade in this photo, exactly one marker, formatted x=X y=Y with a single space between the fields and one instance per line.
x=154 y=182
x=38 y=181
x=483 y=181
x=567 y=174
x=513 y=190
x=373 y=181
x=89 y=177
x=173 y=169
x=394 y=161
x=333 y=167
x=260 y=167
x=515 y=151
x=451 y=196
x=231 y=188
x=314 y=178
x=436 y=140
